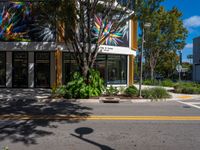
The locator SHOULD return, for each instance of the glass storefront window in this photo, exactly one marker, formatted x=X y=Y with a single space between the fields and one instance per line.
x=69 y=66
x=117 y=69
x=42 y=69
x=100 y=65
x=20 y=70
x=112 y=68
x=2 y=69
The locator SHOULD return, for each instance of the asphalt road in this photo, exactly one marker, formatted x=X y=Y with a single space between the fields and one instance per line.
x=143 y=128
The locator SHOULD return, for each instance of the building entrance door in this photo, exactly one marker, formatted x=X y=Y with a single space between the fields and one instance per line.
x=20 y=70
x=2 y=69
x=42 y=69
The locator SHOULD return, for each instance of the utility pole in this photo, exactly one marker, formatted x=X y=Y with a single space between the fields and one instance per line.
x=145 y=25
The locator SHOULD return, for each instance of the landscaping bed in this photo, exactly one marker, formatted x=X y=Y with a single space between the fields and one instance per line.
x=187 y=88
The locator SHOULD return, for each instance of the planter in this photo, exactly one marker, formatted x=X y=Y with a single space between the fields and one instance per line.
x=109 y=99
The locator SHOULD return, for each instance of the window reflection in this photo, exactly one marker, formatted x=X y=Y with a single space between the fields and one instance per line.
x=117 y=69
x=42 y=69
x=112 y=68
x=69 y=66
x=100 y=65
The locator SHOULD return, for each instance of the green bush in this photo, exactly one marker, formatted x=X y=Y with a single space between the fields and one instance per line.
x=111 y=91
x=62 y=91
x=122 y=89
x=78 y=87
x=131 y=91
x=150 y=82
x=5 y=148
x=155 y=93
x=167 y=83
x=187 y=88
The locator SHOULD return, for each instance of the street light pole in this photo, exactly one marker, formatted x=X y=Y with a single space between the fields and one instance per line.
x=147 y=25
x=180 y=61
x=141 y=66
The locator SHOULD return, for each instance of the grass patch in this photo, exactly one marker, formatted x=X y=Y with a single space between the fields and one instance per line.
x=155 y=94
x=165 y=83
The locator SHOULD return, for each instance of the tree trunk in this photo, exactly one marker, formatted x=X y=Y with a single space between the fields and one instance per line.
x=152 y=73
x=85 y=70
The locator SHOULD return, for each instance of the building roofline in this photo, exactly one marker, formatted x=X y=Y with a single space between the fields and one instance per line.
x=198 y=37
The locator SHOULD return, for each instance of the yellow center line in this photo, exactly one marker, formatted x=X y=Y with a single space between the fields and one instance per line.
x=73 y=117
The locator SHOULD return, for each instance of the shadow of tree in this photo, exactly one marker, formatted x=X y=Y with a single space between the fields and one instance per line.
x=27 y=131
x=6 y=93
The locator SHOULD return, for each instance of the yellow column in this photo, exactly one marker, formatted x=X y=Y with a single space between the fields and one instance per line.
x=131 y=70
x=58 y=56
x=134 y=47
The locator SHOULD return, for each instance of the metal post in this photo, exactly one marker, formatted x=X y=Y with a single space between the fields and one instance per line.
x=141 y=69
x=180 y=61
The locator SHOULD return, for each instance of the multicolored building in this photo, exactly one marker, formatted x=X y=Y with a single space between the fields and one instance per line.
x=32 y=57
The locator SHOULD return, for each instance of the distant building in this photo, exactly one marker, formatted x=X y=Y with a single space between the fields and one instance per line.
x=196 y=59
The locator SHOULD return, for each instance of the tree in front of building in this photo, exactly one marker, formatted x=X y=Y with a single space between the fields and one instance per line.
x=84 y=25
x=167 y=63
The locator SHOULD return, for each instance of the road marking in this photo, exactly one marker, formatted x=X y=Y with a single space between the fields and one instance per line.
x=190 y=104
x=128 y=118
x=185 y=97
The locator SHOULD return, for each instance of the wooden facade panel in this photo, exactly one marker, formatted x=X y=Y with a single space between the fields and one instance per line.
x=58 y=55
x=134 y=27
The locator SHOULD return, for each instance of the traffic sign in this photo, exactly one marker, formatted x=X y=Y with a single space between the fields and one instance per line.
x=179 y=68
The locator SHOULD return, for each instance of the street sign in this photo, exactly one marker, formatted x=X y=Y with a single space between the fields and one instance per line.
x=179 y=68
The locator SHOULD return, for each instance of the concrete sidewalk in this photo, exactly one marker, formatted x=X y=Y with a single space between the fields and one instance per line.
x=43 y=95
x=19 y=93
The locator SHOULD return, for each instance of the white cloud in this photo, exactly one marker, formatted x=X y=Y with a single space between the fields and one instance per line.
x=193 y=21
x=189 y=46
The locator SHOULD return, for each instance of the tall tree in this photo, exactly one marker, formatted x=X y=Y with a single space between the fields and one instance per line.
x=144 y=10
x=84 y=25
x=167 y=62
x=167 y=33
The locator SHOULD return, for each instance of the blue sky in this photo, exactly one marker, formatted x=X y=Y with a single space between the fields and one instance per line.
x=191 y=18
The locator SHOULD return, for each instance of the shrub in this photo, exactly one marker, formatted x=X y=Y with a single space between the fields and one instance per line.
x=155 y=93
x=187 y=88
x=191 y=90
x=5 y=148
x=62 y=91
x=111 y=91
x=167 y=83
x=78 y=87
x=150 y=82
x=122 y=89
x=131 y=91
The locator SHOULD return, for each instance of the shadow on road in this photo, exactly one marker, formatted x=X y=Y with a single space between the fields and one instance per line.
x=83 y=131
x=27 y=131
